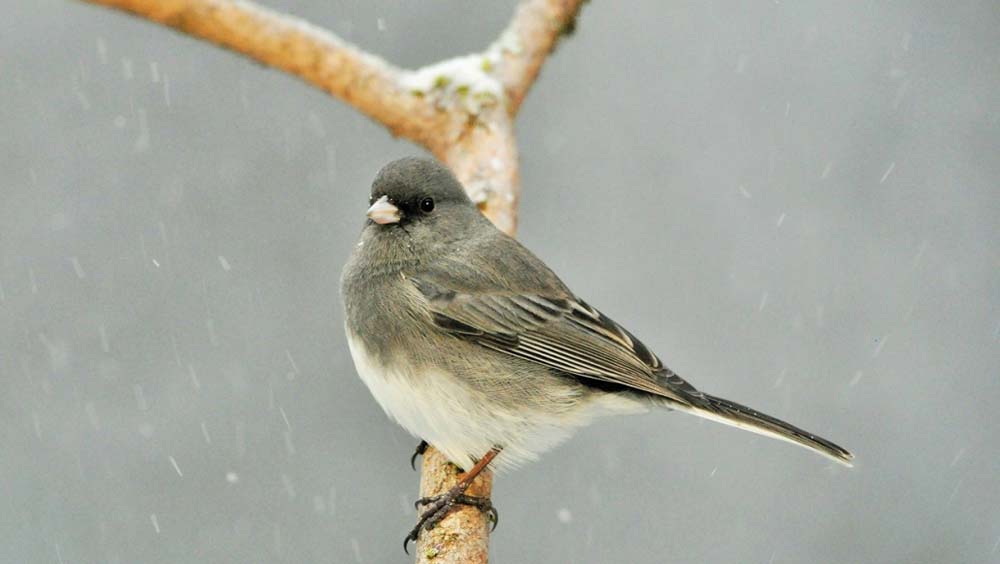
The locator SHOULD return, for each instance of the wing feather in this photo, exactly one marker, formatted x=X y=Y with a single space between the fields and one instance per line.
x=564 y=334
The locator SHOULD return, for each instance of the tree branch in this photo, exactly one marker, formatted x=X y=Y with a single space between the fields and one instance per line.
x=464 y=536
x=301 y=49
x=461 y=109
x=534 y=30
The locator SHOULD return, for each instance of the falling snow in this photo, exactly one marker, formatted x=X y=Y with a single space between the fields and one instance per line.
x=888 y=171
x=173 y=462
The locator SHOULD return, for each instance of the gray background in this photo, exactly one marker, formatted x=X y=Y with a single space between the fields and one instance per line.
x=795 y=203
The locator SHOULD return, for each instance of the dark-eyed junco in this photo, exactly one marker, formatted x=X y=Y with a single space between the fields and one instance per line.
x=472 y=344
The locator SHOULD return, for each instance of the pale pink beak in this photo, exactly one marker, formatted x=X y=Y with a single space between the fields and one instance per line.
x=382 y=212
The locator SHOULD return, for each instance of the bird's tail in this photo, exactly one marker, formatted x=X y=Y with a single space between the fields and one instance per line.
x=740 y=416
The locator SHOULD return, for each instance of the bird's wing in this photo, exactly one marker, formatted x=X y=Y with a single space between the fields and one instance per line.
x=562 y=333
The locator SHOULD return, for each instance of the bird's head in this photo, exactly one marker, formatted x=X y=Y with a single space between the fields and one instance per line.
x=418 y=205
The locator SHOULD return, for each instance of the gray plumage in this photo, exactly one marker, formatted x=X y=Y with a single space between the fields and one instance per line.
x=469 y=341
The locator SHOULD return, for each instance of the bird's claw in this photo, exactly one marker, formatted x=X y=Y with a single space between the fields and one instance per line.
x=420 y=450
x=439 y=506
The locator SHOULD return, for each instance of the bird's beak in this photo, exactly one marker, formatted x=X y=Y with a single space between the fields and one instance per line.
x=382 y=212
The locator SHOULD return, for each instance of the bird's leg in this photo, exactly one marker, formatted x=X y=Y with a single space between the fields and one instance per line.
x=439 y=506
x=421 y=449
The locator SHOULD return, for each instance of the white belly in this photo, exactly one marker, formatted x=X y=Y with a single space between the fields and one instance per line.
x=463 y=423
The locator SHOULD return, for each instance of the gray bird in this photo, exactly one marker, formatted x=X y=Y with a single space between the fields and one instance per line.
x=472 y=344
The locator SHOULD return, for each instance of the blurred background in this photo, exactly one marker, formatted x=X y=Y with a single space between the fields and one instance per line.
x=794 y=203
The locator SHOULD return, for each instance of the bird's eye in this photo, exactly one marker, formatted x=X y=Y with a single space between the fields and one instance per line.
x=427 y=205
x=371 y=200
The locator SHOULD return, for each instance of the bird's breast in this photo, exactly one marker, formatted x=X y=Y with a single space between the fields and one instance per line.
x=431 y=404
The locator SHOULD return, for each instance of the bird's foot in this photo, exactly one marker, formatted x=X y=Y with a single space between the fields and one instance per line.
x=440 y=502
x=438 y=507
x=421 y=449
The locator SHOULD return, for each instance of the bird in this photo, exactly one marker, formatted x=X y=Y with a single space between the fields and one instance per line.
x=472 y=344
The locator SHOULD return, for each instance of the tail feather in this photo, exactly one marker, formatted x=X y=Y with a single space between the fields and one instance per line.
x=740 y=416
